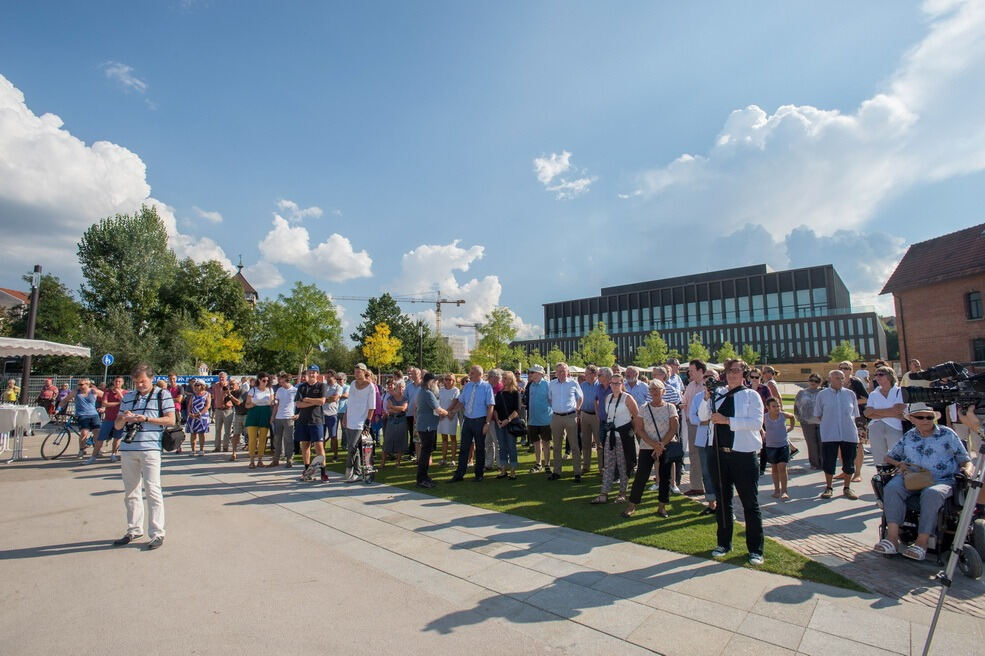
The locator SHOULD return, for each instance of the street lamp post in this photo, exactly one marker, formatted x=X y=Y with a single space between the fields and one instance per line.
x=32 y=319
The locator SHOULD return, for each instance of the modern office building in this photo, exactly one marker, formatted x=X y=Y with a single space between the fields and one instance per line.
x=787 y=316
x=459 y=347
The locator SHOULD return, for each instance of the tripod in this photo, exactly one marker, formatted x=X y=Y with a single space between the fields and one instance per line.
x=960 y=536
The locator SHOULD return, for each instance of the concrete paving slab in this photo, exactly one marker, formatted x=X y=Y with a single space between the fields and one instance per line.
x=772 y=631
x=615 y=616
x=673 y=635
x=863 y=626
x=741 y=645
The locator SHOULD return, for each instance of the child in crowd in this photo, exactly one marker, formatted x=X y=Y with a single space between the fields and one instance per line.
x=778 y=424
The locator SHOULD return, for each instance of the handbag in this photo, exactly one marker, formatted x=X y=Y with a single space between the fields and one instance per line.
x=673 y=450
x=517 y=427
x=917 y=478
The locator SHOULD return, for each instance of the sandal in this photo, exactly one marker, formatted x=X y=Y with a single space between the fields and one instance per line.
x=886 y=547
x=628 y=513
x=913 y=552
x=620 y=499
x=253 y=465
x=708 y=511
x=599 y=499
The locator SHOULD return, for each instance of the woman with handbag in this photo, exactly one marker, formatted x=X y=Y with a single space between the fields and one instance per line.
x=620 y=413
x=507 y=412
x=656 y=426
x=928 y=456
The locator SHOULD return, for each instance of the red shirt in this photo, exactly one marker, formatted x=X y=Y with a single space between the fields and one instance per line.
x=111 y=396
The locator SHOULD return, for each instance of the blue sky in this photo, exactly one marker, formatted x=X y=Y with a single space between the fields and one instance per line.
x=511 y=153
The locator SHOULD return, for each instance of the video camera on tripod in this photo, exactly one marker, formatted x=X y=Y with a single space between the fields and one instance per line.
x=950 y=383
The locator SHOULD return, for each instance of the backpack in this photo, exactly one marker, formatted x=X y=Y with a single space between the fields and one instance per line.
x=172 y=436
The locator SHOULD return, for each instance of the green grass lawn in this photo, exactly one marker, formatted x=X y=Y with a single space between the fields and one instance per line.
x=564 y=503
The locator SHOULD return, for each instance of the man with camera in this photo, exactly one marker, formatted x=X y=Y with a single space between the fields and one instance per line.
x=222 y=412
x=144 y=413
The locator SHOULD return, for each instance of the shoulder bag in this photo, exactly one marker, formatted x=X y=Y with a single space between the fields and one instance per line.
x=672 y=451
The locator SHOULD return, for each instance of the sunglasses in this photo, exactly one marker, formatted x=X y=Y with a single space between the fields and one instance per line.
x=845 y=368
x=880 y=374
x=615 y=382
x=753 y=377
x=922 y=417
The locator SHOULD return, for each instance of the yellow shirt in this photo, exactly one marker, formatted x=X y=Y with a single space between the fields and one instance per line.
x=11 y=394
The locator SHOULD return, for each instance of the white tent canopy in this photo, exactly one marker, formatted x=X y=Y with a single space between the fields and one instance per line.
x=11 y=347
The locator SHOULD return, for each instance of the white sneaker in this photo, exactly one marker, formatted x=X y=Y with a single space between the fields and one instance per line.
x=91 y=459
x=755 y=559
x=720 y=551
x=654 y=487
x=114 y=458
x=674 y=489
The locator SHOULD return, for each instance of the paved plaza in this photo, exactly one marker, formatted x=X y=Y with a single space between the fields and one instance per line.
x=254 y=561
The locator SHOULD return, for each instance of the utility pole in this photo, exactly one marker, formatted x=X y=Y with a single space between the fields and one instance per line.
x=32 y=319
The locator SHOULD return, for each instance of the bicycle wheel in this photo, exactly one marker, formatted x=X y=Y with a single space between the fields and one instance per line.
x=55 y=444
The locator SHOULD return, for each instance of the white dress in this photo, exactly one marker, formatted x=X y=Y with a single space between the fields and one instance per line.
x=448 y=425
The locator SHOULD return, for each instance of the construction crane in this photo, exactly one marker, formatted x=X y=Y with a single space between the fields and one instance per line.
x=474 y=326
x=415 y=298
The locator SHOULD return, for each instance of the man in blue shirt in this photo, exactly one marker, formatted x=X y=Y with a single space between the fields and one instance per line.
x=535 y=398
x=478 y=403
x=639 y=391
x=147 y=409
x=566 y=399
x=589 y=420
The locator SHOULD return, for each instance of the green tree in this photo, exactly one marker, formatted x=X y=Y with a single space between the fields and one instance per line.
x=844 y=351
x=516 y=359
x=125 y=261
x=443 y=358
x=535 y=357
x=196 y=289
x=892 y=339
x=381 y=348
x=59 y=319
x=383 y=309
x=575 y=359
x=726 y=352
x=652 y=352
x=749 y=355
x=339 y=357
x=117 y=333
x=597 y=347
x=295 y=326
x=554 y=356
x=495 y=335
x=214 y=341
x=696 y=350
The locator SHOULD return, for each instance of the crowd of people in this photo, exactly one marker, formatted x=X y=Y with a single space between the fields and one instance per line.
x=634 y=426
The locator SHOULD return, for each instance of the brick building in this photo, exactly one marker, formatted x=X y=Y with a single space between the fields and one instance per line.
x=938 y=290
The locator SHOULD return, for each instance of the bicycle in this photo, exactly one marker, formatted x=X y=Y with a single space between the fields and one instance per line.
x=57 y=442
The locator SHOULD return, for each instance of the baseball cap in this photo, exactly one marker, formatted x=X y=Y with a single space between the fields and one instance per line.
x=313 y=367
x=362 y=366
x=536 y=369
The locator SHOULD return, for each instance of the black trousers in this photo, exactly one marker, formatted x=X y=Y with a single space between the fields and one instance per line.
x=643 y=471
x=428 y=439
x=410 y=436
x=741 y=472
x=472 y=432
x=629 y=448
x=829 y=456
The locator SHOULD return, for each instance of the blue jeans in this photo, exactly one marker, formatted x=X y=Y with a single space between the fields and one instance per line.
x=507 y=448
x=708 y=476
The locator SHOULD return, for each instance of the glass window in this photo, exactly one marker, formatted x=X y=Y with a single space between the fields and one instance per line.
x=757 y=308
x=743 y=308
x=858 y=325
x=803 y=302
x=973 y=303
x=978 y=349
x=868 y=321
x=716 y=308
x=772 y=306
x=824 y=329
x=730 y=309
x=786 y=301
x=872 y=347
x=678 y=315
x=692 y=313
x=820 y=297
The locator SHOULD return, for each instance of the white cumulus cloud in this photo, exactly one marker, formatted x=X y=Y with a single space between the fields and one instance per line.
x=433 y=267
x=812 y=179
x=295 y=213
x=333 y=260
x=214 y=217
x=263 y=275
x=53 y=186
x=553 y=167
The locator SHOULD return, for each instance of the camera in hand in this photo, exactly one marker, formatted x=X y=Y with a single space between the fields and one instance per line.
x=130 y=430
x=951 y=383
x=712 y=384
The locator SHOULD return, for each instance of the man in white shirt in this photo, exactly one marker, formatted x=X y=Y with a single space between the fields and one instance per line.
x=566 y=397
x=359 y=411
x=284 y=415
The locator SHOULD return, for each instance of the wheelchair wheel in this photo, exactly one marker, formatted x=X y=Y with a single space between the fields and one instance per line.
x=978 y=536
x=969 y=562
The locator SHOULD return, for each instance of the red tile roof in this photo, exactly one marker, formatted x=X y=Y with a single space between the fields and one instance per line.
x=956 y=255
x=247 y=287
x=24 y=298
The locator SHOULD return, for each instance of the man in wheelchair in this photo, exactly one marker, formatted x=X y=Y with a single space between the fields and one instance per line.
x=928 y=458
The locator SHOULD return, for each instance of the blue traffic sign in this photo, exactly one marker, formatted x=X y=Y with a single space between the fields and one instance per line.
x=108 y=359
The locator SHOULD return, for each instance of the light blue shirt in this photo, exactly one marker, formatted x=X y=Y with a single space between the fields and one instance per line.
x=941 y=453
x=675 y=381
x=564 y=397
x=476 y=399
x=589 y=391
x=85 y=406
x=410 y=391
x=837 y=410
x=640 y=393
x=149 y=437
x=701 y=435
x=344 y=402
x=540 y=406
